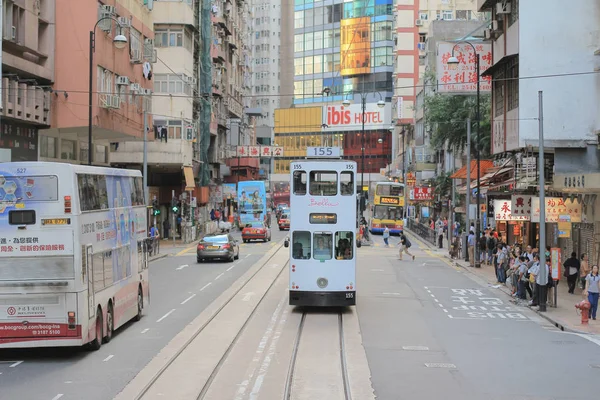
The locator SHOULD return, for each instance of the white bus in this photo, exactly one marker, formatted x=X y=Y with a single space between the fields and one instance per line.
x=73 y=260
x=322 y=233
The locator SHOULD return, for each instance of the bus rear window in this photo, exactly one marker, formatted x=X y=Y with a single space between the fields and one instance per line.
x=15 y=189
x=21 y=217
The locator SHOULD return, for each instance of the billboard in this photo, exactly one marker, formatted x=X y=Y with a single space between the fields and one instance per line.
x=421 y=193
x=463 y=78
x=355 y=46
x=339 y=118
x=259 y=151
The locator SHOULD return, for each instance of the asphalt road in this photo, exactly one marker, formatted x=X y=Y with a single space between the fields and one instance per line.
x=178 y=293
x=432 y=330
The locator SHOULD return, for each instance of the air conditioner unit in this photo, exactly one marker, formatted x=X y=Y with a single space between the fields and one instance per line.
x=146 y=92
x=104 y=101
x=106 y=20
x=419 y=22
x=136 y=56
x=487 y=34
x=134 y=87
x=421 y=46
x=495 y=25
x=124 y=22
x=503 y=7
x=109 y=9
x=122 y=80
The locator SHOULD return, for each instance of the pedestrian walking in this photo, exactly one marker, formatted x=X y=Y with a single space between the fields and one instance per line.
x=154 y=235
x=471 y=243
x=386 y=236
x=592 y=290
x=571 y=269
x=404 y=245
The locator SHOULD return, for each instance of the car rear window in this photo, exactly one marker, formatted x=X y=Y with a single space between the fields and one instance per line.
x=254 y=225
x=285 y=216
x=215 y=239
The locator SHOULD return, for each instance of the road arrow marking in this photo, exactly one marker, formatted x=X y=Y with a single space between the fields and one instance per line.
x=247 y=296
x=182 y=267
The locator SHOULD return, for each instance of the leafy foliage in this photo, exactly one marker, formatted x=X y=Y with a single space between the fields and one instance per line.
x=442 y=184
x=447 y=115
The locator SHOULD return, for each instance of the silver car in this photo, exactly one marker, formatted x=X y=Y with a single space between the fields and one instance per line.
x=216 y=246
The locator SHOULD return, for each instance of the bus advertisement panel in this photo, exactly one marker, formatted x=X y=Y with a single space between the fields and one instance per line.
x=252 y=201
x=388 y=207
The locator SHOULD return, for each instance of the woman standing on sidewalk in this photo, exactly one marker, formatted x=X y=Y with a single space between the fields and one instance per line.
x=592 y=289
x=584 y=270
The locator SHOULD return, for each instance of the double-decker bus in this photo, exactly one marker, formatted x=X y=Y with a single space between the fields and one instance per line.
x=280 y=193
x=73 y=259
x=322 y=233
x=252 y=202
x=388 y=207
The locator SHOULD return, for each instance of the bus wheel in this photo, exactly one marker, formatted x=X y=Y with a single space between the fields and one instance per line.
x=140 y=305
x=97 y=342
x=110 y=324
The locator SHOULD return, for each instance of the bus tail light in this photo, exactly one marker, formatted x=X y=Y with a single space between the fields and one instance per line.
x=71 y=319
x=67 y=204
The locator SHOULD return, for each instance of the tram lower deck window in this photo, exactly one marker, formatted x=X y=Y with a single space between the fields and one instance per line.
x=344 y=245
x=301 y=245
x=323 y=247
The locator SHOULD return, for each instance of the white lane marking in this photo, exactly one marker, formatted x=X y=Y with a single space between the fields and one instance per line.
x=218 y=276
x=436 y=300
x=591 y=338
x=15 y=364
x=182 y=267
x=391 y=294
x=145 y=330
x=432 y=295
x=415 y=348
x=205 y=286
x=439 y=304
x=248 y=296
x=377 y=270
x=165 y=316
x=230 y=268
x=247 y=255
x=108 y=358
x=58 y=396
x=67 y=382
x=188 y=299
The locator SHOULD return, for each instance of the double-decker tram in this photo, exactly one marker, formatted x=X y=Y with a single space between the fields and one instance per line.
x=322 y=233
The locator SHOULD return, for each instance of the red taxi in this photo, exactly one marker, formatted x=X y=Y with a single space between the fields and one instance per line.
x=256 y=230
x=284 y=221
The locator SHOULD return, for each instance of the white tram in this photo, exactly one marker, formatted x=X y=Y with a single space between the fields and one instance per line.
x=322 y=233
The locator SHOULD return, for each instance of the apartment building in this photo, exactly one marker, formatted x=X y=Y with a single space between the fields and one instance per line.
x=28 y=31
x=119 y=84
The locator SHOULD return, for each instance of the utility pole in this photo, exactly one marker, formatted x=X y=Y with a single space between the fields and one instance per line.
x=468 y=191
x=173 y=223
x=451 y=208
x=145 y=166
x=543 y=275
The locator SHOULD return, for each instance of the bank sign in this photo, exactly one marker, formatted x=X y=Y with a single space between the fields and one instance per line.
x=338 y=118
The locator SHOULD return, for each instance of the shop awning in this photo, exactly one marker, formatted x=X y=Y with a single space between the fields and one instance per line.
x=189 y=178
x=462 y=173
x=501 y=63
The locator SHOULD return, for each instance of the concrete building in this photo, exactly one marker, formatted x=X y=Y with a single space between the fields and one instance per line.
x=526 y=43
x=27 y=74
x=118 y=81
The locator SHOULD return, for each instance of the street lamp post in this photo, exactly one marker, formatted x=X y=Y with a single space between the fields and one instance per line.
x=380 y=104
x=453 y=63
x=120 y=41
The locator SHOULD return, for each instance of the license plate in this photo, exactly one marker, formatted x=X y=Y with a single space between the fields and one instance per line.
x=254 y=231
x=213 y=247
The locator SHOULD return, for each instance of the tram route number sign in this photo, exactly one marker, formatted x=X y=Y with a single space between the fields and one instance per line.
x=323 y=152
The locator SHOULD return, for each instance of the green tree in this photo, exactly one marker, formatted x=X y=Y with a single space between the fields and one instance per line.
x=442 y=184
x=446 y=115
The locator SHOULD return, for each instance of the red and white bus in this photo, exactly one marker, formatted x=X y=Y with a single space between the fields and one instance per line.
x=73 y=257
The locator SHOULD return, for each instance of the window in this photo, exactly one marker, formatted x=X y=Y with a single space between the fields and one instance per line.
x=424 y=15
x=137 y=191
x=100 y=154
x=21 y=217
x=512 y=84
x=498 y=91
x=447 y=15
x=382 y=31
x=67 y=149
x=323 y=183
x=461 y=14
x=299 y=182
x=388 y=212
x=344 y=245
x=135 y=40
x=299 y=42
x=389 y=190
x=323 y=245
x=347 y=183
x=301 y=245
x=92 y=192
x=171 y=84
x=48 y=146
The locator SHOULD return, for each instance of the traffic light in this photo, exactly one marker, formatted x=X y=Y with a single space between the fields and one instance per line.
x=155 y=207
x=174 y=206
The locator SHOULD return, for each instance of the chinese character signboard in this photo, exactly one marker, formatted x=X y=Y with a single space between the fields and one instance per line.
x=463 y=77
x=521 y=205
x=254 y=151
x=21 y=139
x=421 y=193
x=277 y=151
x=259 y=151
x=338 y=118
x=242 y=151
x=555 y=208
x=411 y=180
x=265 y=151
x=503 y=212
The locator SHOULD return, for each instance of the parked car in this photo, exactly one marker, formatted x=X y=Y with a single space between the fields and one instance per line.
x=284 y=221
x=217 y=246
x=256 y=230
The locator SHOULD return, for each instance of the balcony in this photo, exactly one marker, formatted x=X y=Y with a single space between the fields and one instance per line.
x=25 y=102
x=174 y=152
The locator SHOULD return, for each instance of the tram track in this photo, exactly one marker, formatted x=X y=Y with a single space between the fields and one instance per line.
x=156 y=377
x=289 y=393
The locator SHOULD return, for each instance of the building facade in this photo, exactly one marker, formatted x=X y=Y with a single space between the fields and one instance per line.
x=522 y=47
x=28 y=55
x=119 y=84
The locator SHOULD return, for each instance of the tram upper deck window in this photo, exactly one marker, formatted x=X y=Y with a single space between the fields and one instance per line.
x=301 y=245
x=323 y=183
x=344 y=245
x=323 y=247
x=390 y=190
x=299 y=182
x=347 y=183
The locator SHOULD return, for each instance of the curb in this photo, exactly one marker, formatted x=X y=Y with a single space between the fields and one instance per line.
x=502 y=289
x=158 y=257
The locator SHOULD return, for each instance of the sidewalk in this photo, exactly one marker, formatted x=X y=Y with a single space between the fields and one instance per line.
x=564 y=316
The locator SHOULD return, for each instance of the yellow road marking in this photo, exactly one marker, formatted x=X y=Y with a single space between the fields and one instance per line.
x=182 y=252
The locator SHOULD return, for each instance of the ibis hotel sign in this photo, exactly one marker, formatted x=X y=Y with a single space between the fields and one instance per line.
x=339 y=118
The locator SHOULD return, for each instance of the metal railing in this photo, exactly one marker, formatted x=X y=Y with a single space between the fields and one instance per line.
x=423 y=231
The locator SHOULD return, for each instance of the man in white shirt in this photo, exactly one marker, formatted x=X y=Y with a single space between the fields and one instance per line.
x=471 y=243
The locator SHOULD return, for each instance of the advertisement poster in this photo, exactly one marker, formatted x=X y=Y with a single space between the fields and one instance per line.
x=555 y=263
x=252 y=201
